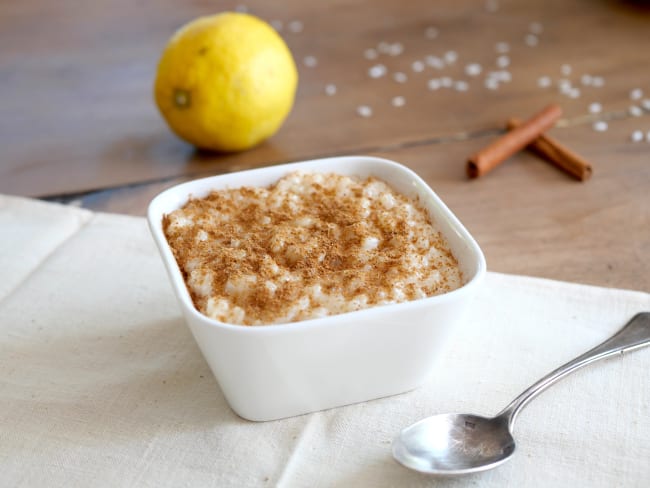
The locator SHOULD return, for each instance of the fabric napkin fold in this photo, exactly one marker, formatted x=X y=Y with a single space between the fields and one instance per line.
x=101 y=383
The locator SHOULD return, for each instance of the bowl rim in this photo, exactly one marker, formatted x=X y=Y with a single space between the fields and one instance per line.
x=154 y=218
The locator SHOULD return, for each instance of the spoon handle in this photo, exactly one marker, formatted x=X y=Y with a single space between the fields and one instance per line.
x=635 y=334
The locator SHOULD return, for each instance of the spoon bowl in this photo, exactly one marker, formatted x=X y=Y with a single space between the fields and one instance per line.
x=451 y=444
x=455 y=444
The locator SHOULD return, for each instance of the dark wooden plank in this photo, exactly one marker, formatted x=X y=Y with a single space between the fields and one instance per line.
x=76 y=112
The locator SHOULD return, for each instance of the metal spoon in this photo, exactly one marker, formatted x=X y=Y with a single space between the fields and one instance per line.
x=456 y=444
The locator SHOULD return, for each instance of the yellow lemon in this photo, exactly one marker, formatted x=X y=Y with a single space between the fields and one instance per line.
x=226 y=82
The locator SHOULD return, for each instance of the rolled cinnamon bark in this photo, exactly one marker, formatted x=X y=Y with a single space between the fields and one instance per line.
x=557 y=154
x=515 y=140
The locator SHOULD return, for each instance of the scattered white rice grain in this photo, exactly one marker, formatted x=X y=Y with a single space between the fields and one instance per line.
x=635 y=111
x=502 y=47
x=364 y=111
x=451 y=57
x=461 y=86
x=491 y=83
x=531 y=40
x=503 y=75
x=396 y=49
x=544 y=82
x=503 y=61
x=564 y=86
x=310 y=61
x=434 y=62
x=277 y=25
x=296 y=26
x=400 y=77
x=600 y=126
x=330 y=89
x=398 y=101
x=565 y=69
x=491 y=6
x=431 y=32
x=473 y=69
x=434 y=84
x=536 y=28
x=646 y=104
x=446 y=82
x=574 y=93
x=636 y=94
x=377 y=71
x=586 y=79
x=417 y=66
x=370 y=53
x=636 y=136
x=598 y=81
x=595 y=108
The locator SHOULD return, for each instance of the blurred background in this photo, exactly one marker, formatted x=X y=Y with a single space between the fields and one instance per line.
x=424 y=83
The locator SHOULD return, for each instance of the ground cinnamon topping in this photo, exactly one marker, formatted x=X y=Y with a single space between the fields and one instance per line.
x=308 y=246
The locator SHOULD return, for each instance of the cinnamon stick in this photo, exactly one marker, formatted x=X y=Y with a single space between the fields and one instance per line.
x=515 y=140
x=557 y=154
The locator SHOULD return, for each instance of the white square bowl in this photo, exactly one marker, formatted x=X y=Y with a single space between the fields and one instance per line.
x=275 y=371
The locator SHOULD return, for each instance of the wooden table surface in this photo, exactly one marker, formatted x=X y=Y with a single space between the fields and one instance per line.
x=78 y=125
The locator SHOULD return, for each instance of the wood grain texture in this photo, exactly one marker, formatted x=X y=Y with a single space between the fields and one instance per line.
x=77 y=118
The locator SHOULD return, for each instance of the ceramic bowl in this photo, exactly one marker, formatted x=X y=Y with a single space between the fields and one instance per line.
x=276 y=371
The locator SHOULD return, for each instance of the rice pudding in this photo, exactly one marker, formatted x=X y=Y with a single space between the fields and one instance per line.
x=308 y=246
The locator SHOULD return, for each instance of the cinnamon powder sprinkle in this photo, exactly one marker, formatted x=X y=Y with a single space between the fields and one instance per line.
x=310 y=245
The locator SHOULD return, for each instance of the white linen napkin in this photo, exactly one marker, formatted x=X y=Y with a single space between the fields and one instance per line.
x=101 y=383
